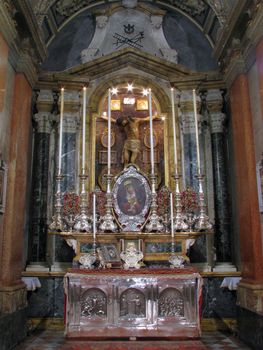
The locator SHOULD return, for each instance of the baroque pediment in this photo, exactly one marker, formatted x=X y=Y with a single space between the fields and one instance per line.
x=136 y=61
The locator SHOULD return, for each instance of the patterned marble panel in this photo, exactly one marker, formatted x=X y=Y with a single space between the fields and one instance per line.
x=13 y=329
x=41 y=303
x=217 y=302
x=250 y=326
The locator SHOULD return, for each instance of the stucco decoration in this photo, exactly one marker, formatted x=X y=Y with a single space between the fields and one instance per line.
x=129 y=28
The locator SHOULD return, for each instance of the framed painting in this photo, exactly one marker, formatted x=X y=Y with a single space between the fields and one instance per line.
x=142 y=105
x=115 y=105
x=3 y=184
x=131 y=199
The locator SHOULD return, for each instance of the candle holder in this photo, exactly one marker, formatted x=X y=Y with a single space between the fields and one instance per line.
x=179 y=223
x=177 y=261
x=107 y=221
x=202 y=222
x=57 y=223
x=154 y=223
x=82 y=221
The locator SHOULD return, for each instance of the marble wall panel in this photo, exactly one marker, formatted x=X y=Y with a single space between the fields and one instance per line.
x=41 y=302
x=13 y=329
x=48 y=301
x=250 y=328
x=218 y=302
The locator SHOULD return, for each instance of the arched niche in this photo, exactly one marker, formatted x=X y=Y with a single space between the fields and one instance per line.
x=93 y=303
x=132 y=304
x=171 y=303
x=162 y=106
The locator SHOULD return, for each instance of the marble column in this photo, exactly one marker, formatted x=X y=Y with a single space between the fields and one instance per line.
x=246 y=183
x=221 y=197
x=62 y=252
x=13 y=290
x=40 y=174
x=189 y=139
x=198 y=252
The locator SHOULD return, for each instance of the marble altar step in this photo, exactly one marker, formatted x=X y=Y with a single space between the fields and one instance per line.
x=134 y=345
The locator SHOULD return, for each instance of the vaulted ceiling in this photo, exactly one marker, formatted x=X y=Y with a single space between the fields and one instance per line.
x=209 y=15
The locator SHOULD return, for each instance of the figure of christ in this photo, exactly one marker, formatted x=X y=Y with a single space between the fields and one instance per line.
x=132 y=143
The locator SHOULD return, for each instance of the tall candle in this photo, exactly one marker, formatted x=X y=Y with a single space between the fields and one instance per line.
x=109 y=131
x=174 y=132
x=196 y=134
x=60 y=131
x=94 y=216
x=84 y=129
x=151 y=131
x=172 y=214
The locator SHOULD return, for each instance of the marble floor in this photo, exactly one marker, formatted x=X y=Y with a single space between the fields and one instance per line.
x=51 y=340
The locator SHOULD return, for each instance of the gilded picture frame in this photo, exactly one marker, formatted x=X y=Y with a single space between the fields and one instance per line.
x=115 y=105
x=131 y=199
x=142 y=105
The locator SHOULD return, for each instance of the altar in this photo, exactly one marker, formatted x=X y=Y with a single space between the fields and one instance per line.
x=131 y=227
x=149 y=303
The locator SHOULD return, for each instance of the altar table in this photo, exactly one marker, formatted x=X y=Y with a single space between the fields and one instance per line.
x=134 y=303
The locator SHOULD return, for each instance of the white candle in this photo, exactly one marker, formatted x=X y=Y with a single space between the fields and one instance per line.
x=94 y=216
x=84 y=129
x=172 y=214
x=196 y=134
x=174 y=132
x=109 y=131
x=61 y=131
x=151 y=131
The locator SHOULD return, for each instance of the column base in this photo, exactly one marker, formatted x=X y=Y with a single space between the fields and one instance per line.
x=37 y=266
x=202 y=267
x=60 y=266
x=250 y=297
x=13 y=298
x=224 y=267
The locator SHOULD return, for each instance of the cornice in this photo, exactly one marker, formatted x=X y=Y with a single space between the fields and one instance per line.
x=227 y=32
x=31 y=20
x=235 y=67
x=175 y=74
x=7 y=24
x=26 y=66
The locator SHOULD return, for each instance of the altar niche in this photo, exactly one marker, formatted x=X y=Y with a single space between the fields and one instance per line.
x=130 y=135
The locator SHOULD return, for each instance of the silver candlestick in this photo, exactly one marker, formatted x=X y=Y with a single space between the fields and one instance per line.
x=179 y=224
x=83 y=221
x=57 y=223
x=154 y=223
x=177 y=261
x=202 y=223
x=107 y=221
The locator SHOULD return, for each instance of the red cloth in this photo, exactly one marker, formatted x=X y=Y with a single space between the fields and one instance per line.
x=142 y=271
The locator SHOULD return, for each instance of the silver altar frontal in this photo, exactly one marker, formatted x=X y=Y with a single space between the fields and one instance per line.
x=145 y=303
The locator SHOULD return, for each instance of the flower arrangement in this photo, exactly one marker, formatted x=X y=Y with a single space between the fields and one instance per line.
x=71 y=205
x=163 y=201
x=189 y=200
